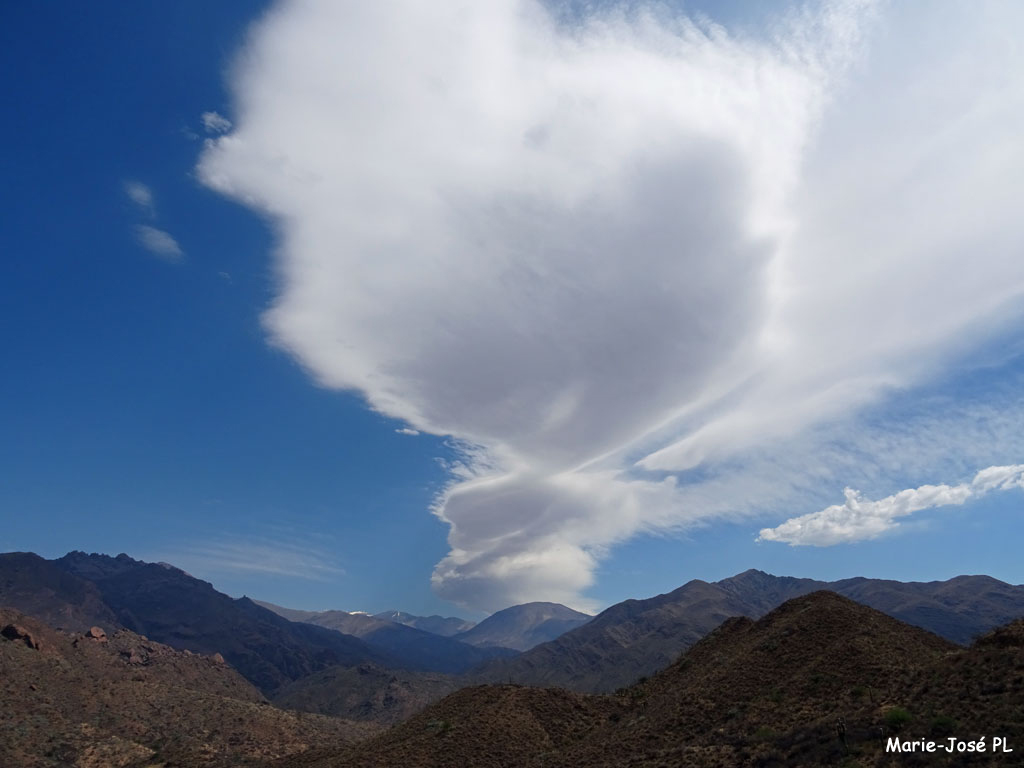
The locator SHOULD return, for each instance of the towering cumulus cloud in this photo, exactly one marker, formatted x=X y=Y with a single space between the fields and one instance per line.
x=601 y=250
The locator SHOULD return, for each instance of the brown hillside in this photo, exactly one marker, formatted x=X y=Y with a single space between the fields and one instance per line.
x=123 y=700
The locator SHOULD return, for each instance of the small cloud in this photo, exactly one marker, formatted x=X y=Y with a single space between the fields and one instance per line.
x=215 y=123
x=859 y=519
x=225 y=276
x=140 y=194
x=407 y=431
x=159 y=243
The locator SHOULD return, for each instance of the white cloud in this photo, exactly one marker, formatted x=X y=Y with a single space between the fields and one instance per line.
x=215 y=123
x=634 y=239
x=858 y=519
x=280 y=556
x=159 y=243
x=140 y=194
x=407 y=431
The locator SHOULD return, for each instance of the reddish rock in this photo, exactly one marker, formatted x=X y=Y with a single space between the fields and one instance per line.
x=219 y=659
x=96 y=633
x=135 y=657
x=16 y=632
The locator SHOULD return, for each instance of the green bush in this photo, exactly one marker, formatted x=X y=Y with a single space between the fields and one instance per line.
x=896 y=718
x=943 y=725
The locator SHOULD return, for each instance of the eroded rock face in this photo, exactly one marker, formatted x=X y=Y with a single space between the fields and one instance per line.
x=18 y=633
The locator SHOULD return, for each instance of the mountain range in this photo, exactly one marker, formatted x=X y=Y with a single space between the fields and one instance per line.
x=438 y=625
x=517 y=628
x=413 y=648
x=820 y=680
x=636 y=638
x=357 y=667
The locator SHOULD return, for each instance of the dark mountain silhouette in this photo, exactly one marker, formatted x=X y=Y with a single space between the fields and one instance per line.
x=524 y=626
x=42 y=589
x=438 y=625
x=120 y=699
x=169 y=606
x=414 y=648
x=638 y=637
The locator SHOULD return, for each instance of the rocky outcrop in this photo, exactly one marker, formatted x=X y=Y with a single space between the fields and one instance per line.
x=18 y=633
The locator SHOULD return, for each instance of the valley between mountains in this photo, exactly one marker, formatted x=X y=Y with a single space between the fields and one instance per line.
x=114 y=661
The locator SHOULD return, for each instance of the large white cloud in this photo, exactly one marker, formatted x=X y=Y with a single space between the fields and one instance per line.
x=574 y=245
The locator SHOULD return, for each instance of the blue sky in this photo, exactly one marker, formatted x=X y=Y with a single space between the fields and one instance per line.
x=647 y=289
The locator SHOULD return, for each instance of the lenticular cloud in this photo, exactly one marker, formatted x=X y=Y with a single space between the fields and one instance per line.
x=573 y=245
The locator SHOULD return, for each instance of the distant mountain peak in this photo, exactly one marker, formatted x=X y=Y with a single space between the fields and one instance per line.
x=524 y=626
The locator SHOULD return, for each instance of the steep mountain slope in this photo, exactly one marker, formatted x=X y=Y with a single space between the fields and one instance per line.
x=637 y=637
x=414 y=648
x=438 y=625
x=821 y=680
x=42 y=589
x=124 y=700
x=524 y=626
x=172 y=607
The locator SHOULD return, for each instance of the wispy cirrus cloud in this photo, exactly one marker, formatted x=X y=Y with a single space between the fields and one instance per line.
x=626 y=259
x=278 y=556
x=141 y=195
x=159 y=242
x=215 y=123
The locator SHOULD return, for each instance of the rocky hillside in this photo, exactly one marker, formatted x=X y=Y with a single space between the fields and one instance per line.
x=94 y=700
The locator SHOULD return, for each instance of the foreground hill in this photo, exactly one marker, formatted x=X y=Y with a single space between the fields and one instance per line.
x=636 y=638
x=124 y=700
x=524 y=626
x=413 y=648
x=764 y=693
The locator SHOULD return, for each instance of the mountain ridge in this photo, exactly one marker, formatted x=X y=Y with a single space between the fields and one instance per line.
x=635 y=638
